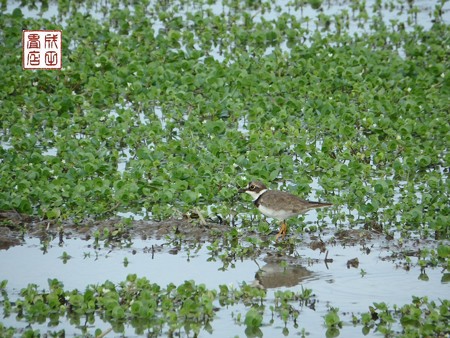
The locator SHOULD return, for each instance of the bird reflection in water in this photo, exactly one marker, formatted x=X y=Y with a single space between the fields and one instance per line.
x=276 y=275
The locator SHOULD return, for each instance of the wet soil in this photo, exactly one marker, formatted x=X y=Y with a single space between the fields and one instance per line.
x=14 y=226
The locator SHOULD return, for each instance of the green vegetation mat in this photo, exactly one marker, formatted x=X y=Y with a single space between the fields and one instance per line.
x=165 y=108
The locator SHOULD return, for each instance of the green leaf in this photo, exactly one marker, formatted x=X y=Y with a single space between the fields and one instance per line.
x=443 y=251
x=253 y=318
x=118 y=312
x=54 y=213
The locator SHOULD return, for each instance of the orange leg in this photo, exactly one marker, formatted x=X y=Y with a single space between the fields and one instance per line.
x=283 y=230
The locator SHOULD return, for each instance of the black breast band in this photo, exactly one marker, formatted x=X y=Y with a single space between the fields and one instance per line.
x=256 y=202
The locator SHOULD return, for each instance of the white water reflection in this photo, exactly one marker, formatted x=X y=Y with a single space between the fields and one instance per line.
x=26 y=264
x=135 y=217
x=333 y=284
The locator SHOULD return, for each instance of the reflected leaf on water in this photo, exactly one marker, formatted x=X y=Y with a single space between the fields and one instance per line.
x=65 y=257
x=423 y=277
x=332 y=332
x=253 y=332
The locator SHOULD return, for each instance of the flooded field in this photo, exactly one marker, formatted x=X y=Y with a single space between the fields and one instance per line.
x=349 y=270
x=119 y=173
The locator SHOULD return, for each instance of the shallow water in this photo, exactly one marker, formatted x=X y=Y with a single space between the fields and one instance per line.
x=334 y=284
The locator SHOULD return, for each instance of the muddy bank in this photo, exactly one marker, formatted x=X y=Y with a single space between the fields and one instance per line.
x=187 y=231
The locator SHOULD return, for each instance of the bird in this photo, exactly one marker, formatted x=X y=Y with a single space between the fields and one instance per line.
x=279 y=205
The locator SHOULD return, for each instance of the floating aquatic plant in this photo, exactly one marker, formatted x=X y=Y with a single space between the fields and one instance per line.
x=162 y=108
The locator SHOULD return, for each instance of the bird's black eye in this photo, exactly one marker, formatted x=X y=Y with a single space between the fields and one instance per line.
x=252 y=187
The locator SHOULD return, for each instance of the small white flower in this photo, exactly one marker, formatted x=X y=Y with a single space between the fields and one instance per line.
x=63 y=161
x=98 y=65
x=443 y=75
x=409 y=89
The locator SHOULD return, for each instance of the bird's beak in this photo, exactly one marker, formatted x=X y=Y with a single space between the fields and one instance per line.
x=242 y=190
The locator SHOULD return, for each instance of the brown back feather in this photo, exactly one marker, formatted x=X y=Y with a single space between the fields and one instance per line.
x=289 y=201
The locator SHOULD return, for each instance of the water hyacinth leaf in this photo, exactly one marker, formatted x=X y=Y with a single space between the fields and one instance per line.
x=76 y=300
x=54 y=213
x=424 y=161
x=118 y=312
x=215 y=127
x=332 y=319
x=443 y=251
x=253 y=318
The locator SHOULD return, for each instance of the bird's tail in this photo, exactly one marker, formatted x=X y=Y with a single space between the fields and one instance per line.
x=315 y=205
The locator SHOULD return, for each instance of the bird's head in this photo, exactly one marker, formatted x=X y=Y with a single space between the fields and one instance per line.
x=254 y=189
